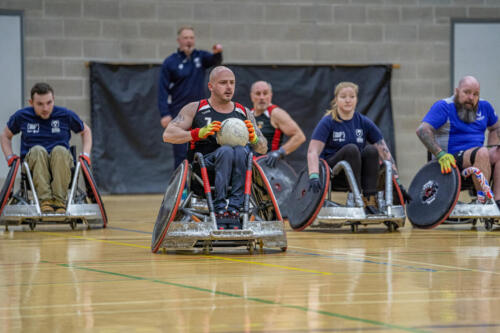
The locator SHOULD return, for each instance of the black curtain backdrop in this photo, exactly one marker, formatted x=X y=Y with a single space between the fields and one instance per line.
x=128 y=154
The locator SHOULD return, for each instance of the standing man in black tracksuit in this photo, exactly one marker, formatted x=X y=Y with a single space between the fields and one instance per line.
x=182 y=80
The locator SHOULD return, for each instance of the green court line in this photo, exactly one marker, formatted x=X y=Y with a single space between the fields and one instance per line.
x=253 y=299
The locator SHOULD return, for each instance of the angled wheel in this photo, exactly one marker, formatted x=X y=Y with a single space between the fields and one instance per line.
x=267 y=206
x=434 y=196
x=169 y=205
x=304 y=205
x=282 y=179
x=8 y=185
x=92 y=191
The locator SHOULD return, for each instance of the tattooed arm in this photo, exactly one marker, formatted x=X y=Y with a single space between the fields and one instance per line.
x=494 y=134
x=177 y=130
x=427 y=134
x=261 y=145
x=385 y=154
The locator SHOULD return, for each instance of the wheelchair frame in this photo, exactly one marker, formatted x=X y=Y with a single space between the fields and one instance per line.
x=191 y=223
x=23 y=206
x=465 y=213
x=335 y=215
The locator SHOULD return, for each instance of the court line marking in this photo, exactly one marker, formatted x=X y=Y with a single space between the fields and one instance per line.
x=337 y=257
x=229 y=294
x=255 y=299
x=367 y=261
x=134 y=230
x=208 y=256
x=395 y=259
x=202 y=299
x=247 y=298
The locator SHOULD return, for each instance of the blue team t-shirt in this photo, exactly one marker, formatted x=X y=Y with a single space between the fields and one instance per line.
x=359 y=130
x=48 y=133
x=454 y=135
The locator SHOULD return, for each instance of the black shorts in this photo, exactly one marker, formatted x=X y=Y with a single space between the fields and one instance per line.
x=459 y=157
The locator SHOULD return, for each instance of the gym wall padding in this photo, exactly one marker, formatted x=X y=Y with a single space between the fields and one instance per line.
x=128 y=153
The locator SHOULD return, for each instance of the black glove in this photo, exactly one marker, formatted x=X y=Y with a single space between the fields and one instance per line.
x=314 y=184
x=274 y=156
x=406 y=196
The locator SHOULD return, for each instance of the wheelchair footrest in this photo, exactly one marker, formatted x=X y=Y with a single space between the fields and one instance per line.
x=337 y=216
x=475 y=210
x=185 y=234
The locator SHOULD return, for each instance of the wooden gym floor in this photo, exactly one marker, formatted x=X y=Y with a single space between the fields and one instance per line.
x=107 y=280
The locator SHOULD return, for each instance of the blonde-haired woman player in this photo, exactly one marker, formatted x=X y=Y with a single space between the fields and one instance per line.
x=344 y=134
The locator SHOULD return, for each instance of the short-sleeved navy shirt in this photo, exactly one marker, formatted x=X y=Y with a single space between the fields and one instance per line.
x=48 y=133
x=359 y=130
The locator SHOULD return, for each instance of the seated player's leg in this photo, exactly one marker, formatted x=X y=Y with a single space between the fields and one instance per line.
x=221 y=162
x=61 y=162
x=479 y=158
x=237 y=195
x=369 y=172
x=494 y=154
x=38 y=162
x=351 y=154
x=238 y=178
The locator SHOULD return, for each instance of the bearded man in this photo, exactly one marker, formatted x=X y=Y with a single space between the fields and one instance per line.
x=453 y=131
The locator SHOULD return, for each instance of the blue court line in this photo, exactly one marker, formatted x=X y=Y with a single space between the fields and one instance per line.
x=320 y=255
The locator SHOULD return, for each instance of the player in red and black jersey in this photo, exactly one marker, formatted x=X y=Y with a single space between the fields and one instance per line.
x=197 y=122
x=274 y=122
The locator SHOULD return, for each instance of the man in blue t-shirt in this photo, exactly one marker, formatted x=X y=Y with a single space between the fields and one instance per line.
x=182 y=80
x=453 y=131
x=45 y=134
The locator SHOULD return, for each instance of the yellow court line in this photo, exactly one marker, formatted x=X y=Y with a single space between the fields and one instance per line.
x=395 y=259
x=95 y=239
x=273 y=265
x=213 y=257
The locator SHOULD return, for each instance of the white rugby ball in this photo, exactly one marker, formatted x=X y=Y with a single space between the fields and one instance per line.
x=233 y=132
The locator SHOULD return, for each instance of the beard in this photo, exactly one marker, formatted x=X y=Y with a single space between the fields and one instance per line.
x=466 y=114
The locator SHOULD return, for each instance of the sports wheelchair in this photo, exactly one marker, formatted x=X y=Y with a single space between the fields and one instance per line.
x=186 y=219
x=436 y=199
x=304 y=208
x=84 y=205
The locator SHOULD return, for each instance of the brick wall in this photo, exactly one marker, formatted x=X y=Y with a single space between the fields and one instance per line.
x=61 y=35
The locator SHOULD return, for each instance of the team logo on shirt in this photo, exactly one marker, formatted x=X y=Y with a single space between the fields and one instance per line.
x=197 y=62
x=260 y=124
x=55 y=126
x=33 y=128
x=359 y=135
x=479 y=115
x=339 y=136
